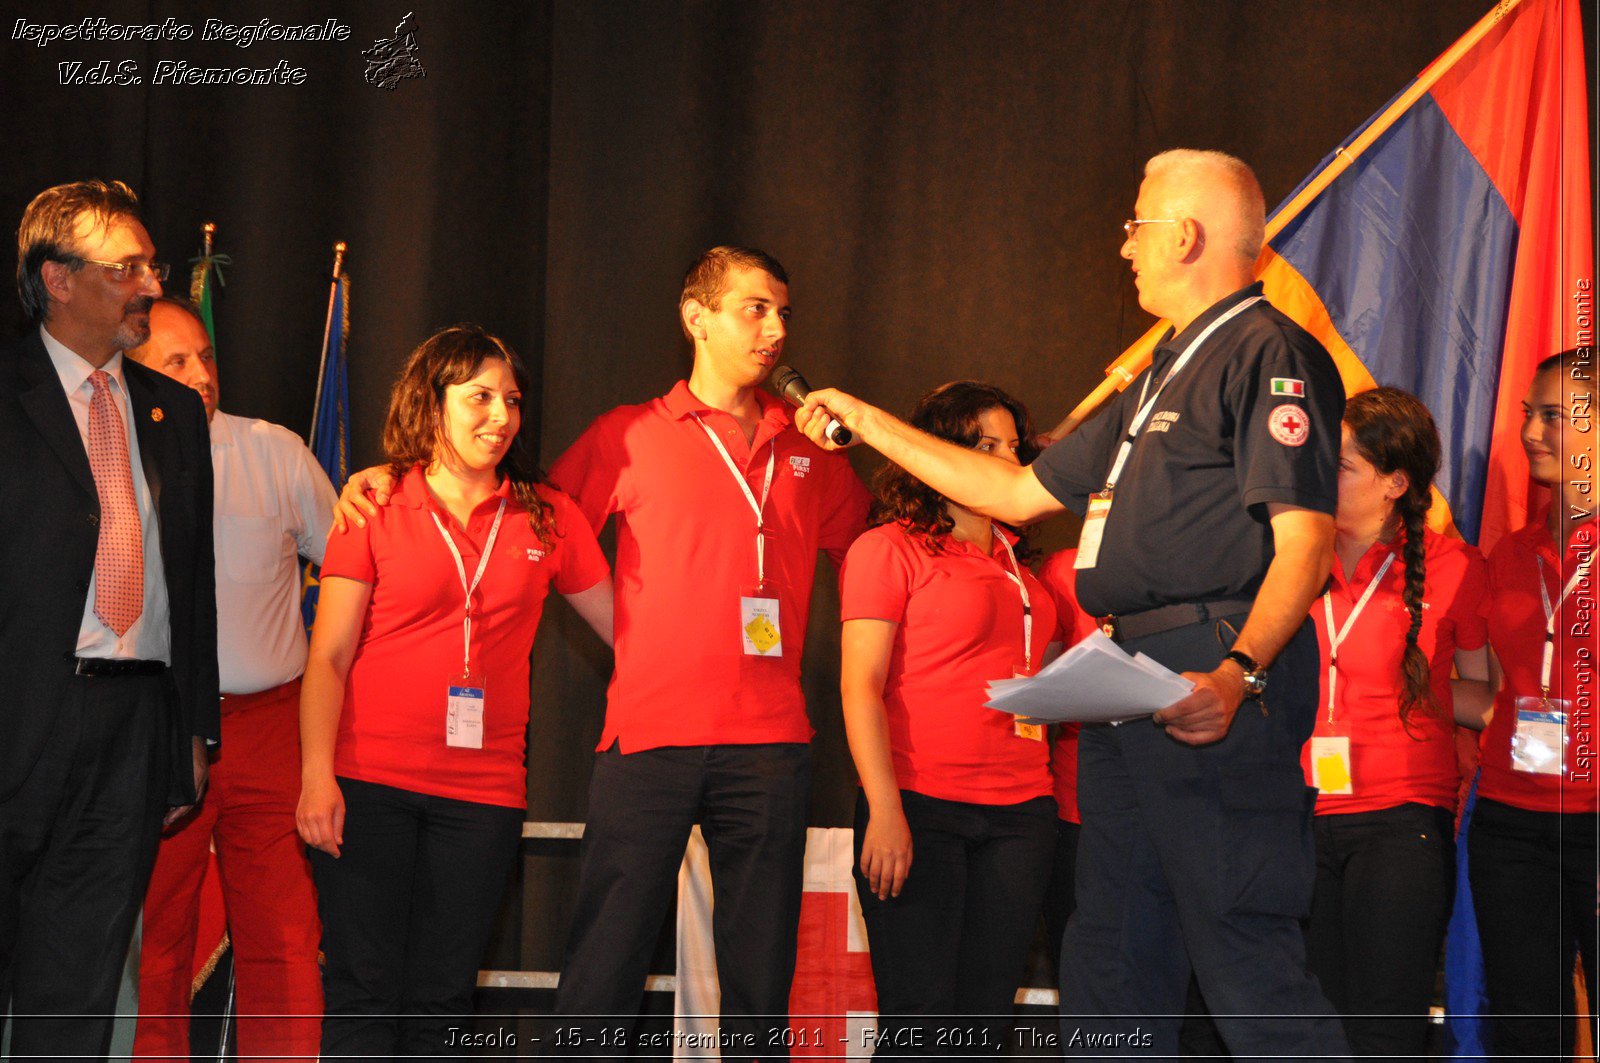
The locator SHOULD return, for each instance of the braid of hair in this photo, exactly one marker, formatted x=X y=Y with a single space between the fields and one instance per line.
x=1414 y=671
x=1396 y=433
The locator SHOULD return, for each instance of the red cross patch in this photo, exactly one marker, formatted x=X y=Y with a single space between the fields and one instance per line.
x=1289 y=425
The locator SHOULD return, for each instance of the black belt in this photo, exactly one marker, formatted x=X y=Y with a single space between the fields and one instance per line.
x=101 y=667
x=1167 y=617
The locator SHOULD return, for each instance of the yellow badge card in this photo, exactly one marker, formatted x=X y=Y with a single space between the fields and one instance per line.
x=1330 y=764
x=1033 y=732
x=763 y=635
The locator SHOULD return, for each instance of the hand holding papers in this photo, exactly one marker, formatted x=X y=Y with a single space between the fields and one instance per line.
x=1093 y=682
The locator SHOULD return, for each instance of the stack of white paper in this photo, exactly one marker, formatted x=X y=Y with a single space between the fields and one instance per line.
x=1094 y=681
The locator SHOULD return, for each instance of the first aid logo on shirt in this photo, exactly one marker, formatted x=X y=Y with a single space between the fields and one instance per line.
x=535 y=554
x=800 y=465
x=1289 y=425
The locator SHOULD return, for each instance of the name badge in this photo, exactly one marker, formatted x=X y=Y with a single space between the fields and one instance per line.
x=1094 y=526
x=1539 y=745
x=463 y=724
x=759 y=624
x=1025 y=726
x=1330 y=764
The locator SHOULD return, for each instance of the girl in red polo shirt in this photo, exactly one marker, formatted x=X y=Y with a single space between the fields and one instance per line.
x=414 y=706
x=1531 y=850
x=955 y=824
x=1403 y=605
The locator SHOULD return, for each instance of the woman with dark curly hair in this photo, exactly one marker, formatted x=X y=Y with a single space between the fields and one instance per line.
x=414 y=706
x=955 y=822
x=1403 y=606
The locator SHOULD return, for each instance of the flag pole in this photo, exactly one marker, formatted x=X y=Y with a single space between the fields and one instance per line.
x=327 y=331
x=197 y=277
x=1133 y=361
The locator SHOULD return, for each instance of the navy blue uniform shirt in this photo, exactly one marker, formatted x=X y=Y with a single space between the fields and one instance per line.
x=1252 y=418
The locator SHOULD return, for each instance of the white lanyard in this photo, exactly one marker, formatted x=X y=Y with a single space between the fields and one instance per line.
x=1336 y=637
x=1146 y=408
x=750 y=496
x=1015 y=576
x=1550 y=619
x=461 y=571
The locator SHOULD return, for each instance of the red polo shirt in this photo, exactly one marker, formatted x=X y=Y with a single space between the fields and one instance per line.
x=958 y=620
x=686 y=551
x=1060 y=579
x=392 y=727
x=1388 y=766
x=1516 y=631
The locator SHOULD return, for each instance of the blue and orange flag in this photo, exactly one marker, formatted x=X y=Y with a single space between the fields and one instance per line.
x=1446 y=248
x=330 y=420
x=1448 y=245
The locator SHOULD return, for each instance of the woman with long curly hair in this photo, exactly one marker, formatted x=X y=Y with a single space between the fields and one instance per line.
x=414 y=707
x=1403 y=606
x=955 y=822
x=1531 y=848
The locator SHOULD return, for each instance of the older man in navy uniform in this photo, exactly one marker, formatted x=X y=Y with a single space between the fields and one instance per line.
x=1208 y=489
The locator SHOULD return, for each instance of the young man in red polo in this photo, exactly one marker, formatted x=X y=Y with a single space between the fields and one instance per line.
x=721 y=508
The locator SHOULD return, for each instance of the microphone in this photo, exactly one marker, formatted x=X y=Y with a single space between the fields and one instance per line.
x=787 y=382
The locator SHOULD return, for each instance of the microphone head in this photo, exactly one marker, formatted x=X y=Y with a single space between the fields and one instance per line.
x=787 y=382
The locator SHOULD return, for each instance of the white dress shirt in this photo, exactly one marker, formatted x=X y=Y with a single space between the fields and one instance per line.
x=150 y=637
x=274 y=504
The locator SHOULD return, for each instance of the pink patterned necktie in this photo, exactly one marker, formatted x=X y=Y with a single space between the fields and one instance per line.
x=119 y=557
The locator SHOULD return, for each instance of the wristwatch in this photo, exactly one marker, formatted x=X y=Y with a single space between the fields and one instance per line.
x=1255 y=676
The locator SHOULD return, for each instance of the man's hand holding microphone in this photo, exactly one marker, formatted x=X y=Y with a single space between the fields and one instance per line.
x=820 y=422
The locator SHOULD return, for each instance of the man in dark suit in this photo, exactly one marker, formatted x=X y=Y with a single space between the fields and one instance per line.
x=108 y=628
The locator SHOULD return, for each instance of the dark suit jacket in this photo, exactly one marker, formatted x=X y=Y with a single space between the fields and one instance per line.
x=49 y=528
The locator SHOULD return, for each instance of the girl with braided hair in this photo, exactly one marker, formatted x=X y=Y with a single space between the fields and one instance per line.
x=1403 y=605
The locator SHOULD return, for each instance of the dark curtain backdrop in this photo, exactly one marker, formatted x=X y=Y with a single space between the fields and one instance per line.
x=944 y=180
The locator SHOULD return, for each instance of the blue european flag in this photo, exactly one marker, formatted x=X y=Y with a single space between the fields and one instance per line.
x=330 y=422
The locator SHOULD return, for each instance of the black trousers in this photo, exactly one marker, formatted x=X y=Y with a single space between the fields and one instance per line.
x=77 y=843
x=948 y=953
x=1385 y=887
x=1061 y=895
x=751 y=802
x=1198 y=859
x=1533 y=886
x=407 y=910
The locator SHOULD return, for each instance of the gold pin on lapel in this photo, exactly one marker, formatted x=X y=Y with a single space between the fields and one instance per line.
x=157 y=414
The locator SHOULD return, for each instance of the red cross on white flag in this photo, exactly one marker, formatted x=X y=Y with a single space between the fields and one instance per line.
x=833 y=1003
